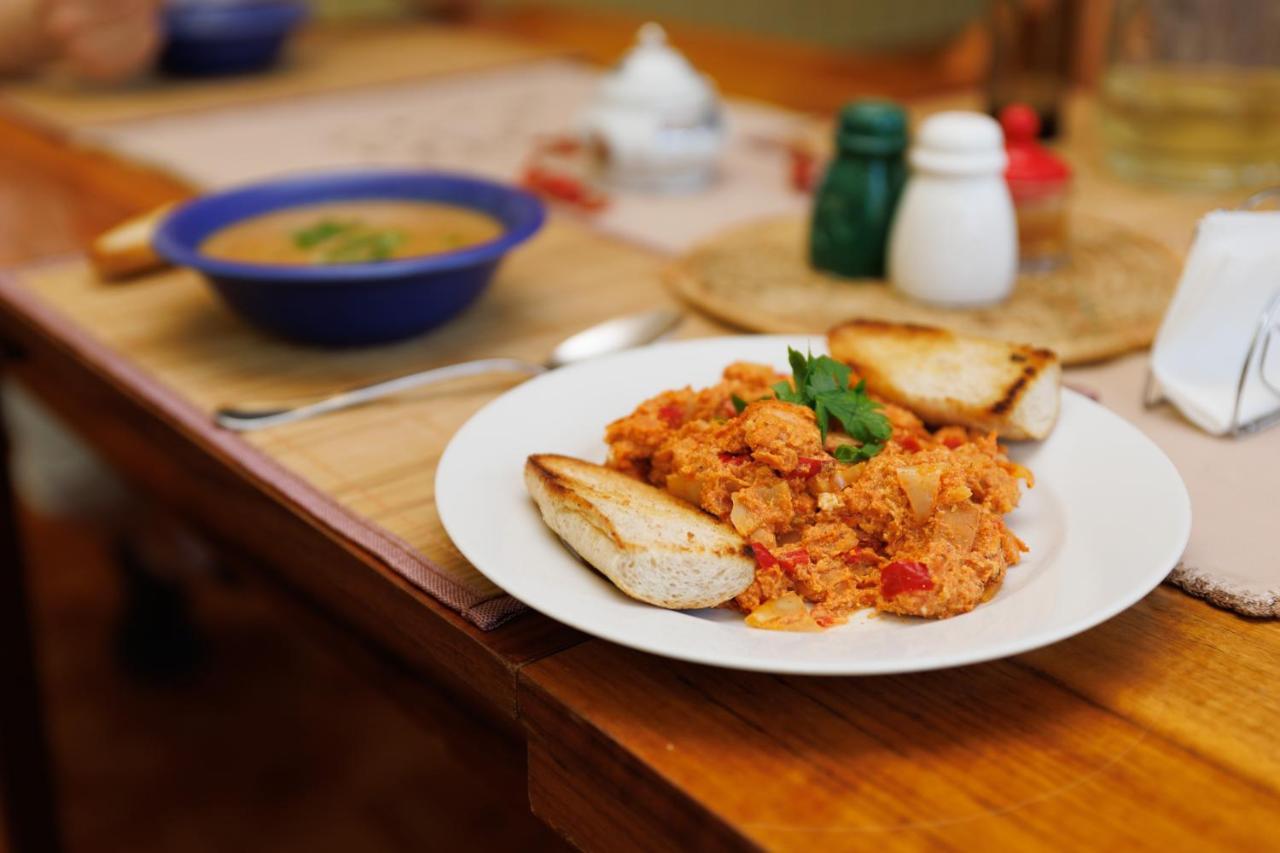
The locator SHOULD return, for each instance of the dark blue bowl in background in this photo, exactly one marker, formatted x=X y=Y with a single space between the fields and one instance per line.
x=351 y=304
x=205 y=38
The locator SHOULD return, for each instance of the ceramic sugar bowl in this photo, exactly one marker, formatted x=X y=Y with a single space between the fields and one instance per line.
x=655 y=123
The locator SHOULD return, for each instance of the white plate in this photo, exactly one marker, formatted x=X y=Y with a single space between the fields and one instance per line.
x=1107 y=520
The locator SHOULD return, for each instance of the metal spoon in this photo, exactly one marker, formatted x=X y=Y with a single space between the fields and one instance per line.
x=614 y=335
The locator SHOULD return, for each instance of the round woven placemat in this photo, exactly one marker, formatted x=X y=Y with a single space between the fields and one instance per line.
x=1108 y=299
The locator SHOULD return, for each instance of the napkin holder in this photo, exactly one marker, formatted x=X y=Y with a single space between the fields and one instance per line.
x=1266 y=328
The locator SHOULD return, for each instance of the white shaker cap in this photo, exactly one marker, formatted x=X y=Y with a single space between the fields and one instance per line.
x=959 y=142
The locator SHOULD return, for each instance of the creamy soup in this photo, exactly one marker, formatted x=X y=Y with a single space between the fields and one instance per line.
x=350 y=232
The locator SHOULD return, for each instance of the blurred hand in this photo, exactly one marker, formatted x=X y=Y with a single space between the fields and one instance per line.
x=102 y=40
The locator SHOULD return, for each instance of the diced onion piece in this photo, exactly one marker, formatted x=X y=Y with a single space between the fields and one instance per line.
x=785 y=613
x=743 y=520
x=830 y=480
x=920 y=482
x=753 y=506
x=686 y=488
x=959 y=525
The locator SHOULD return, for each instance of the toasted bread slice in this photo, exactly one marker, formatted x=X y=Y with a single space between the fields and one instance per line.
x=947 y=378
x=653 y=546
x=125 y=250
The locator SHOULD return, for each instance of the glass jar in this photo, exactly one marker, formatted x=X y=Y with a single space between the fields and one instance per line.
x=1039 y=182
x=1191 y=94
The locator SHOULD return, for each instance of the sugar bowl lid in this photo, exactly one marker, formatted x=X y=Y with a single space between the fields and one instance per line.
x=655 y=76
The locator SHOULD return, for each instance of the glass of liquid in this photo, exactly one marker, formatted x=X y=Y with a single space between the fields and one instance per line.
x=1191 y=95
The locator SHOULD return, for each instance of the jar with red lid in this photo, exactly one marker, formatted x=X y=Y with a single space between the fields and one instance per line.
x=1040 y=184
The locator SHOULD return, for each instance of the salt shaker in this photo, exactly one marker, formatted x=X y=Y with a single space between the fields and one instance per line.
x=854 y=205
x=954 y=240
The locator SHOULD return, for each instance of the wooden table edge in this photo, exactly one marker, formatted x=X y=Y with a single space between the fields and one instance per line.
x=132 y=431
x=582 y=782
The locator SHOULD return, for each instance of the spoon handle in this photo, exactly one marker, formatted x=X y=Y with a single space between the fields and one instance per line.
x=242 y=420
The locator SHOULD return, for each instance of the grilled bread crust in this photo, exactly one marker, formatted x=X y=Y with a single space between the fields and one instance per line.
x=651 y=545
x=947 y=378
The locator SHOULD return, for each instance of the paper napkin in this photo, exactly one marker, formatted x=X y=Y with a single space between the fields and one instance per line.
x=1231 y=277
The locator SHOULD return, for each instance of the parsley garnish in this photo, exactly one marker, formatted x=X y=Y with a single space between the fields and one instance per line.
x=338 y=242
x=822 y=384
x=363 y=247
x=314 y=235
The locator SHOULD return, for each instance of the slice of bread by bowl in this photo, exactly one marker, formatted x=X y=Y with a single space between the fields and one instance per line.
x=125 y=250
x=947 y=378
x=652 y=545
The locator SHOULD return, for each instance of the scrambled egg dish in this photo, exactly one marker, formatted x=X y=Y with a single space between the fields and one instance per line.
x=917 y=529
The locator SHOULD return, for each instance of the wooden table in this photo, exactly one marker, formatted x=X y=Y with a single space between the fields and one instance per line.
x=1156 y=729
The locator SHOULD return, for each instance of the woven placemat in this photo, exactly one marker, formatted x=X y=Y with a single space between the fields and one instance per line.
x=1106 y=301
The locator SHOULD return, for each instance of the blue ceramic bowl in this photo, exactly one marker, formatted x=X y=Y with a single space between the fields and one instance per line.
x=205 y=38
x=351 y=304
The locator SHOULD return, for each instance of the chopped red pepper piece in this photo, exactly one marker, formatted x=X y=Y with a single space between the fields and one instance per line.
x=563 y=187
x=804 y=169
x=764 y=557
x=953 y=441
x=826 y=620
x=793 y=559
x=806 y=467
x=672 y=414
x=909 y=443
x=904 y=576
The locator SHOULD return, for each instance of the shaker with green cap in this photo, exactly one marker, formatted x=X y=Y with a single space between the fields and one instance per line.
x=854 y=204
